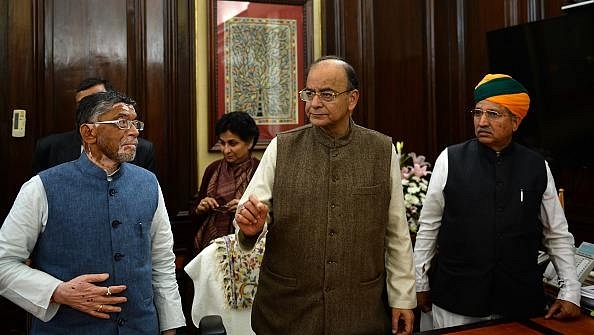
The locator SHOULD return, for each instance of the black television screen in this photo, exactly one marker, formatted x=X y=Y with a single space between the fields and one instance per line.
x=554 y=59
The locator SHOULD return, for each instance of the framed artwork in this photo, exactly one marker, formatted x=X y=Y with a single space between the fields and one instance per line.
x=259 y=53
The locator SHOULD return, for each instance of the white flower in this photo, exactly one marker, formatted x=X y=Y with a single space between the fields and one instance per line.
x=415 y=180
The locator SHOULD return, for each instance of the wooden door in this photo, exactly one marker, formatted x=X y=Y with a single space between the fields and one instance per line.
x=144 y=47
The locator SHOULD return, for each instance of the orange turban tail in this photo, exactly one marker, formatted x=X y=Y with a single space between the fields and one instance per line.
x=504 y=90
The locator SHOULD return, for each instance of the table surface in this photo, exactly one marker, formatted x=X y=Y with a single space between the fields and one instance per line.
x=584 y=325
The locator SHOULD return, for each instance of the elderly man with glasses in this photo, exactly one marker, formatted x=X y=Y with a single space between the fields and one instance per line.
x=490 y=205
x=97 y=232
x=336 y=236
x=59 y=148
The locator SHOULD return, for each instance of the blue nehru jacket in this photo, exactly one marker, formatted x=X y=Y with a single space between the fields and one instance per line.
x=100 y=224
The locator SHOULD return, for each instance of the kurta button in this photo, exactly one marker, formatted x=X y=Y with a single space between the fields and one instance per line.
x=121 y=321
x=115 y=223
x=112 y=192
x=117 y=257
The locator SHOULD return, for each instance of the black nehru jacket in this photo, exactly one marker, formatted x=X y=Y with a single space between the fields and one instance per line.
x=490 y=235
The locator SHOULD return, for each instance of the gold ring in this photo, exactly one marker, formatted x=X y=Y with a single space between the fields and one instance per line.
x=108 y=292
x=99 y=308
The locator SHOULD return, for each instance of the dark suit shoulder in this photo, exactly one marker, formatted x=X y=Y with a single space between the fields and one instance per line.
x=55 y=149
x=145 y=155
x=59 y=139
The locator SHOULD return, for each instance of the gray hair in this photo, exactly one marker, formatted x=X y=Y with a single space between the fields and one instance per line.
x=92 y=106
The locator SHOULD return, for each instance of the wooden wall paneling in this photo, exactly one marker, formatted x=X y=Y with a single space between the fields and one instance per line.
x=81 y=39
x=455 y=59
x=145 y=48
x=19 y=87
x=343 y=36
x=450 y=79
x=430 y=82
x=541 y=9
x=548 y=8
x=3 y=60
x=336 y=30
x=4 y=10
x=180 y=87
x=487 y=16
x=161 y=68
x=481 y=16
x=364 y=47
x=461 y=58
x=332 y=23
x=136 y=57
x=181 y=118
x=400 y=68
x=309 y=42
x=149 y=67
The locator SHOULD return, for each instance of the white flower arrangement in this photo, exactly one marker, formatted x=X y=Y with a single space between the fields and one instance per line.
x=415 y=179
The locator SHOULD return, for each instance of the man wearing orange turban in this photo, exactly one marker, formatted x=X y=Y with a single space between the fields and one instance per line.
x=504 y=90
x=489 y=204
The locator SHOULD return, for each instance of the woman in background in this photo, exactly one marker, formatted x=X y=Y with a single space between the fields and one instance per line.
x=225 y=180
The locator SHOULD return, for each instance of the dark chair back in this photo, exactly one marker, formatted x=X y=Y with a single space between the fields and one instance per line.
x=211 y=325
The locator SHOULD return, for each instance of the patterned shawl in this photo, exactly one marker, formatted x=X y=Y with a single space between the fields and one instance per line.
x=238 y=270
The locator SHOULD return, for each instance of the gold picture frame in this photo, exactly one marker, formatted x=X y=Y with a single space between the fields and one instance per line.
x=259 y=53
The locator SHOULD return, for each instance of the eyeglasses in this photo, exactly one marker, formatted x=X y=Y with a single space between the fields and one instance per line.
x=477 y=113
x=124 y=124
x=307 y=95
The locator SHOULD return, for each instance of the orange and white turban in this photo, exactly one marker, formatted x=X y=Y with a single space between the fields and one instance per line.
x=504 y=90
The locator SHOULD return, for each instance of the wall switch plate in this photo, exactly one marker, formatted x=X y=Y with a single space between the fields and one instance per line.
x=19 y=119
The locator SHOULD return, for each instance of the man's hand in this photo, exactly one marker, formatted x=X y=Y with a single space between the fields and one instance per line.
x=424 y=301
x=562 y=309
x=251 y=216
x=81 y=294
x=402 y=321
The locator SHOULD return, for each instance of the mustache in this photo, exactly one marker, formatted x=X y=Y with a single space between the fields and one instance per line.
x=308 y=113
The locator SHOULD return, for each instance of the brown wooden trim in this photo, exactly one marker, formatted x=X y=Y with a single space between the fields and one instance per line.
x=430 y=75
